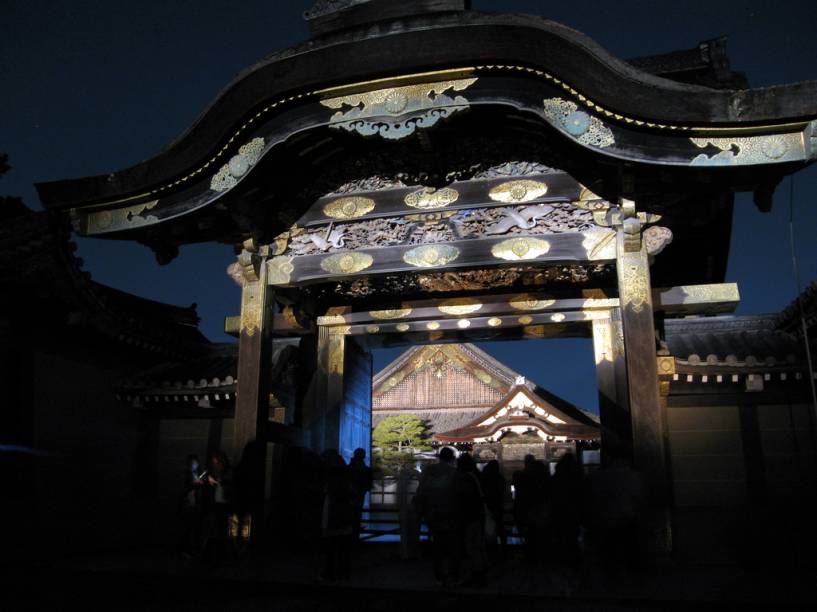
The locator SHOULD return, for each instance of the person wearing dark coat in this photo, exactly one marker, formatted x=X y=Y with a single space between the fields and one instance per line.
x=567 y=489
x=472 y=509
x=531 y=486
x=361 y=478
x=494 y=490
x=337 y=518
x=438 y=503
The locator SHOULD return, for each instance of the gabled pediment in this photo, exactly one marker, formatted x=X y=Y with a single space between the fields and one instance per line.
x=521 y=411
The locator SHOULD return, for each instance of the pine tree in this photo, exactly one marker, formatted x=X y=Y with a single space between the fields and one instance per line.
x=400 y=433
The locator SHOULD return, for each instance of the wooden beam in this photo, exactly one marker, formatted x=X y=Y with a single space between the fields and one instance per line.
x=546 y=249
x=647 y=422
x=554 y=187
x=691 y=299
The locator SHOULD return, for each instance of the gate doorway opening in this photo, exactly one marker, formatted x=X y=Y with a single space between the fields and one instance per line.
x=533 y=400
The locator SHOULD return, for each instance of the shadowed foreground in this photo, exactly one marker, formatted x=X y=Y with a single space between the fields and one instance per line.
x=141 y=581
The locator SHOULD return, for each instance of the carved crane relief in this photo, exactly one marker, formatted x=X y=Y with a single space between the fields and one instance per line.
x=526 y=218
x=332 y=238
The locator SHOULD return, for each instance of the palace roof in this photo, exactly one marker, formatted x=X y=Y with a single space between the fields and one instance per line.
x=51 y=295
x=452 y=386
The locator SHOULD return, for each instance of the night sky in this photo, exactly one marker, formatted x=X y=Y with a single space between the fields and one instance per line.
x=92 y=87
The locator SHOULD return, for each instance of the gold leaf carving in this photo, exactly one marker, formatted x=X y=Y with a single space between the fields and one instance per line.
x=229 y=174
x=460 y=306
x=527 y=301
x=515 y=192
x=402 y=327
x=348 y=208
x=588 y=200
x=634 y=287
x=515 y=249
x=584 y=127
x=121 y=218
x=393 y=313
x=463 y=323
x=372 y=329
x=279 y=270
x=747 y=150
x=526 y=319
x=432 y=325
x=494 y=322
x=251 y=314
x=347 y=263
x=411 y=107
x=557 y=317
x=430 y=198
x=336 y=353
x=431 y=255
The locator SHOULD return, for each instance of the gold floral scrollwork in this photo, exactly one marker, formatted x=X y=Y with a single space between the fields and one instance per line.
x=431 y=255
x=122 y=218
x=347 y=263
x=336 y=353
x=557 y=317
x=429 y=198
x=396 y=112
x=348 y=208
x=526 y=319
x=372 y=329
x=735 y=151
x=515 y=249
x=279 y=270
x=527 y=301
x=515 y=192
x=391 y=313
x=460 y=306
x=585 y=128
x=402 y=327
x=634 y=287
x=432 y=325
x=250 y=319
x=494 y=322
x=230 y=173
x=252 y=310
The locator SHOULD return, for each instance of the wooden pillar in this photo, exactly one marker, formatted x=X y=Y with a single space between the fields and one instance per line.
x=611 y=379
x=253 y=385
x=328 y=395
x=646 y=416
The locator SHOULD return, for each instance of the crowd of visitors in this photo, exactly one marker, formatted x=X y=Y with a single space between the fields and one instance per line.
x=464 y=509
x=556 y=514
